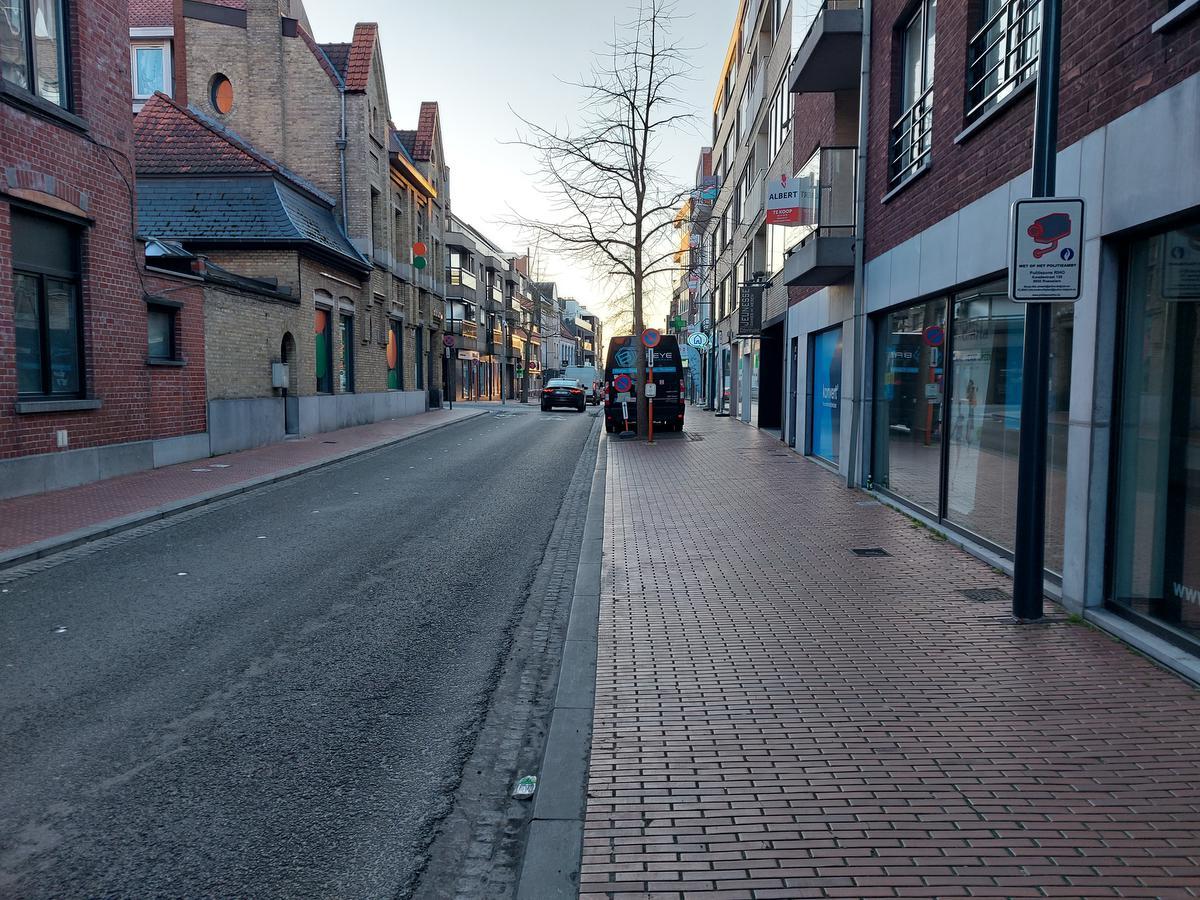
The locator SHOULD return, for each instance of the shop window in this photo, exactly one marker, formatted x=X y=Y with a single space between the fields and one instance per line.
x=161 y=338
x=910 y=372
x=1156 y=515
x=825 y=394
x=323 y=345
x=395 y=356
x=1003 y=53
x=346 y=373
x=46 y=300
x=220 y=94
x=911 y=133
x=984 y=417
x=33 y=48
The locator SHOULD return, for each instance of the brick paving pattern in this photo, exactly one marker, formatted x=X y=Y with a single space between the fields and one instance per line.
x=36 y=517
x=777 y=717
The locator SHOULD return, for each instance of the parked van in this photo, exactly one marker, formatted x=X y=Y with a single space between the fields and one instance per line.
x=589 y=377
x=668 y=377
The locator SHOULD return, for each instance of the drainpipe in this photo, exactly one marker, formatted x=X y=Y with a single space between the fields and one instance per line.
x=341 y=145
x=855 y=463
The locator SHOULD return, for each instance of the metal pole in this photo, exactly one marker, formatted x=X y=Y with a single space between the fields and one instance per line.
x=1030 y=546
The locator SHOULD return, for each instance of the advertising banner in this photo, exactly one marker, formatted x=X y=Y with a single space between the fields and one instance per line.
x=790 y=201
x=750 y=310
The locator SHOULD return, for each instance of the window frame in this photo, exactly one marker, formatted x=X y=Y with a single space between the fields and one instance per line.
x=164 y=45
x=41 y=274
x=912 y=125
x=153 y=305
x=346 y=336
x=1014 y=75
x=65 y=67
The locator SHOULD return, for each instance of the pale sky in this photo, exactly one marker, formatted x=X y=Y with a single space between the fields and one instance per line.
x=478 y=58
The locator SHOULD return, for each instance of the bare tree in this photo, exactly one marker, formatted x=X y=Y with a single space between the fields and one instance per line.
x=613 y=206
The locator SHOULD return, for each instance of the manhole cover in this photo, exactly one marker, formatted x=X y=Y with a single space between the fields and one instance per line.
x=869 y=551
x=986 y=595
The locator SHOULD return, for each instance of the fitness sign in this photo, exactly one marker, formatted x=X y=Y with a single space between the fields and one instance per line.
x=1046 y=250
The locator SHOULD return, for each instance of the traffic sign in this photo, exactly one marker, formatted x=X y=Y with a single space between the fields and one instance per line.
x=935 y=335
x=1046 y=250
x=651 y=337
x=622 y=383
x=448 y=340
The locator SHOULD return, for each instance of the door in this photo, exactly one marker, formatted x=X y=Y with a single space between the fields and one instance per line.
x=793 y=392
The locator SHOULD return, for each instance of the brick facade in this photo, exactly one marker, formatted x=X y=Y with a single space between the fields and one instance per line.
x=1111 y=63
x=81 y=166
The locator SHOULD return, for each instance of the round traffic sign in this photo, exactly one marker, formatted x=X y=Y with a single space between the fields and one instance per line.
x=448 y=340
x=623 y=383
x=651 y=337
x=935 y=335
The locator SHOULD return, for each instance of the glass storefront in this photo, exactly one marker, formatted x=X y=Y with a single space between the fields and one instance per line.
x=961 y=385
x=825 y=401
x=910 y=362
x=1156 y=514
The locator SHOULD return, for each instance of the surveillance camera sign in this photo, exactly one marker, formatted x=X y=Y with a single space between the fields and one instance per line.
x=1046 y=250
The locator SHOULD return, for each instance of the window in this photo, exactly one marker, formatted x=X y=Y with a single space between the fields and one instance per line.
x=161 y=337
x=220 y=94
x=1156 y=514
x=151 y=68
x=33 y=48
x=911 y=132
x=346 y=375
x=1003 y=53
x=47 y=312
x=420 y=351
x=779 y=122
x=323 y=345
x=377 y=244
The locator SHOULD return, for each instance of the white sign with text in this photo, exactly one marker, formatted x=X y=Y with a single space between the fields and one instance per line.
x=1046 y=250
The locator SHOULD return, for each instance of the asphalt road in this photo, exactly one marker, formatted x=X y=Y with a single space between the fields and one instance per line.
x=274 y=698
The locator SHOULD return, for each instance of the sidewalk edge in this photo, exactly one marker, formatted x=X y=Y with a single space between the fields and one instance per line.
x=554 y=847
x=71 y=539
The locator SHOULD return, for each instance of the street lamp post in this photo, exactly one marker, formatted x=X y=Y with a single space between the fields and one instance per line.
x=1029 y=557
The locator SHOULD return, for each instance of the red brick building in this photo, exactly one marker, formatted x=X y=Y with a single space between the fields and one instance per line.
x=101 y=362
x=906 y=350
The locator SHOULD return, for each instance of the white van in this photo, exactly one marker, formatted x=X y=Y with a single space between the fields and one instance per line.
x=589 y=377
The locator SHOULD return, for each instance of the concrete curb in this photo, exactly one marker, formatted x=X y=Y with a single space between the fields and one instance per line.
x=61 y=542
x=554 y=849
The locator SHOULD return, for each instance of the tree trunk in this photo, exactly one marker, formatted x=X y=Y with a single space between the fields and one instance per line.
x=638 y=327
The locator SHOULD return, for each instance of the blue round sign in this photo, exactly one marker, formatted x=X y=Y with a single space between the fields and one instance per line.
x=651 y=337
x=935 y=335
x=623 y=383
x=1067 y=254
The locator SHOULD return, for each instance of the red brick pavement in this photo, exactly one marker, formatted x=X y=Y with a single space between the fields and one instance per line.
x=776 y=717
x=37 y=517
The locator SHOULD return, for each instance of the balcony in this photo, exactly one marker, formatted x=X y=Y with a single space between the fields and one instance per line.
x=755 y=202
x=825 y=252
x=460 y=283
x=830 y=56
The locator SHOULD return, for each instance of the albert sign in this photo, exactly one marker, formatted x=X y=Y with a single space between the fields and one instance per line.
x=789 y=201
x=1046 y=250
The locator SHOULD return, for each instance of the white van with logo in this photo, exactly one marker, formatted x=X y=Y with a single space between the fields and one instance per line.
x=589 y=377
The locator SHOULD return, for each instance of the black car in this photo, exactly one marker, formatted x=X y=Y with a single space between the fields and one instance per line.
x=621 y=406
x=563 y=392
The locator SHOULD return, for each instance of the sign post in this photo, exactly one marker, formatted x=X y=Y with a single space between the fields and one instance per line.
x=650 y=339
x=1030 y=546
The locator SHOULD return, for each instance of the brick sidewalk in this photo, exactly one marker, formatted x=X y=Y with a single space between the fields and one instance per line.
x=777 y=717
x=38 y=517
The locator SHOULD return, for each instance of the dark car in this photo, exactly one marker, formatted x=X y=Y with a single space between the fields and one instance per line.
x=621 y=406
x=563 y=392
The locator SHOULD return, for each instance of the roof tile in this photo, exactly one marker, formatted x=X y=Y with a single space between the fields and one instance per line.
x=362 y=52
x=151 y=13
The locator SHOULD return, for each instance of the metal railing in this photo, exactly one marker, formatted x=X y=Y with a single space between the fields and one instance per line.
x=465 y=277
x=1003 y=54
x=911 y=138
x=827 y=180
